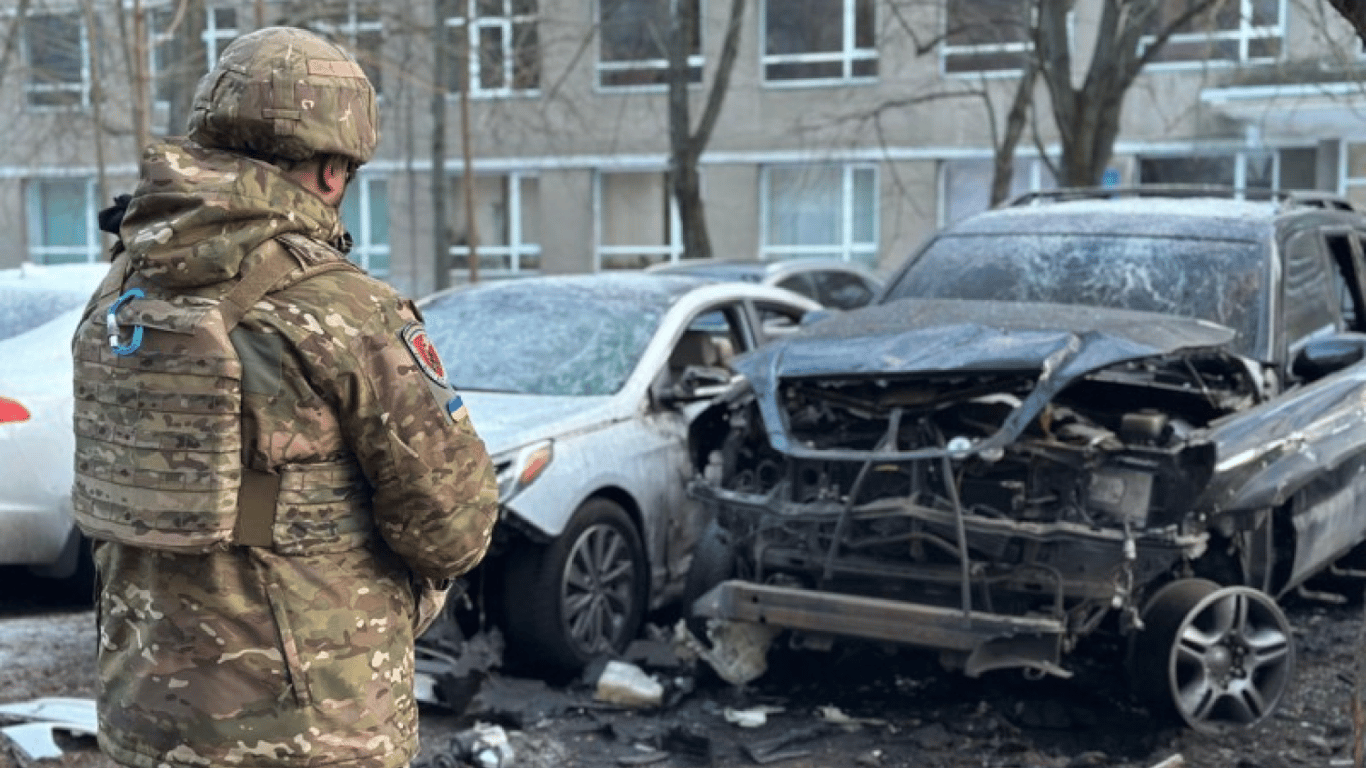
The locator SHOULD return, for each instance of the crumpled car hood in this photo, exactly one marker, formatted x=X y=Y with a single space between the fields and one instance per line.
x=1056 y=343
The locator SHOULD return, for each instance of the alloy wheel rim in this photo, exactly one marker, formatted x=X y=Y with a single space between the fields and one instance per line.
x=596 y=589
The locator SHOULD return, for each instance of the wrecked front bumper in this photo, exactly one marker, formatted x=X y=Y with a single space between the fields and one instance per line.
x=988 y=592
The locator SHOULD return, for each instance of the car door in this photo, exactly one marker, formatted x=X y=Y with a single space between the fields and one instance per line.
x=708 y=340
x=1309 y=443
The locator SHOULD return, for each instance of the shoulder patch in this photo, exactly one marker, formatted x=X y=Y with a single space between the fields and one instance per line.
x=414 y=337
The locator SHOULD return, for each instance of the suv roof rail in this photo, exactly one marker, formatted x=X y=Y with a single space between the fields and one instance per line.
x=1286 y=198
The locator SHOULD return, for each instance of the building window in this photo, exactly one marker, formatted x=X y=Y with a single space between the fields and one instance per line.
x=1233 y=31
x=61 y=217
x=1272 y=170
x=55 y=52
x=358 y=26
x=220 y=28
x=967 y=185
x=986 y=36
x=819 y=40
x=506 y=44
x=507 y=213
x=633 y=36
x=365 y=212
x=825 y=211
x=638 y=222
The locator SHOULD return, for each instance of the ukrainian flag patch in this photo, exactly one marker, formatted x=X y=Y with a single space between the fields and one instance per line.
x=455 y=408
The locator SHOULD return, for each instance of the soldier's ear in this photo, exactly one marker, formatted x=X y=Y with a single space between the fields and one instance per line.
x=333 y=175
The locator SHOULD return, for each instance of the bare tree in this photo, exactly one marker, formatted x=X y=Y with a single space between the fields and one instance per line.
x=1129 y=35
x=685 y=144
x=1355 y=14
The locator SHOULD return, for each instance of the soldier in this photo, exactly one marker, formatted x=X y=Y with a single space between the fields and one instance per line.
x=276 y=475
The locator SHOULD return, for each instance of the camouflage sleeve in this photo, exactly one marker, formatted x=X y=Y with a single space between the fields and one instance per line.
x=435 y=492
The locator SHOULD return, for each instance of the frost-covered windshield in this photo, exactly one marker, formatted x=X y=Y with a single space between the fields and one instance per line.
x=1218 y=280
x=547 y=336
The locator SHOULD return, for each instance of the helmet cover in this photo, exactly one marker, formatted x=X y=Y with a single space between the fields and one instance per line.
x=283 y=92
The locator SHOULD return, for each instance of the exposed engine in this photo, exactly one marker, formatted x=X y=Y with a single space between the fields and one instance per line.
x=910 y=487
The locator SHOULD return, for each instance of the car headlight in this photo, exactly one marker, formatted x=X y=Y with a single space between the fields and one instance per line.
x=523 y=469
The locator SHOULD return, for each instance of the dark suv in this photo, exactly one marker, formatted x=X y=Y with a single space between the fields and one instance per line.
x=1139 y=412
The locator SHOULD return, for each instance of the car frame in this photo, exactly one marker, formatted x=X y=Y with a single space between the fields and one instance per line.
x=999 y=479
x=595 y=527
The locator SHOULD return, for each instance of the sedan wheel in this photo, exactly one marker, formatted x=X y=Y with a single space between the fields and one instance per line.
x=582 y=596
x=1217 y=656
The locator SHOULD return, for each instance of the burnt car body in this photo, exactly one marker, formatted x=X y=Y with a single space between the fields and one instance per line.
x=1139 y=413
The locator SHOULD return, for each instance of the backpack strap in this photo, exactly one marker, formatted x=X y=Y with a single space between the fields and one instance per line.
x=259 y=492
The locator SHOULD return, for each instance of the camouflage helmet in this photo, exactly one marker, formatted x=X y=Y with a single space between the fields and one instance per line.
x=286 y=93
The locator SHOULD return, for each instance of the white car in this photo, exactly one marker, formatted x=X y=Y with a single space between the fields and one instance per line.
x=39 y=309
x=583 y=388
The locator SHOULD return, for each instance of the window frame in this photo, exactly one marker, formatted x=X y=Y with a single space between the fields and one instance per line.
x=668 y=252
x=516 y=248
x=41 y=253
x=365 y=249
x=848 y=249
x=1243 y=35
x=658 y=65
x=948 y=51
x=848 y=56
x=507 y=23
x=32 y=88
x=1240 y=160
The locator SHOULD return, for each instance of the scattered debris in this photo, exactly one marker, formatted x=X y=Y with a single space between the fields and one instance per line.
x=690 y=742
x=628 y=685
x=739 y=649
x=779 y=747
x=835 y=716
x=486 y=746
x=35 y=738
x=750 y=717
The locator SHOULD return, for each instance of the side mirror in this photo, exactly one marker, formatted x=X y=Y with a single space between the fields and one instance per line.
x=696 y=382
x=1329 y=354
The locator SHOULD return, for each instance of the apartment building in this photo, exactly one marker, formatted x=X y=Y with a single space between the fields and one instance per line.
x=850 y=128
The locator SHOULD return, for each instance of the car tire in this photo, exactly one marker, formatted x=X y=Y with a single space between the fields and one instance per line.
x=581 y=596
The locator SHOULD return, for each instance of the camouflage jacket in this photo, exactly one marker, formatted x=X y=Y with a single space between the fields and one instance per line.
x=251 y=656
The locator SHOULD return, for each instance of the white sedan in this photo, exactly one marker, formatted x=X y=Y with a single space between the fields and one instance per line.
x=39 y=309
x=583 y=388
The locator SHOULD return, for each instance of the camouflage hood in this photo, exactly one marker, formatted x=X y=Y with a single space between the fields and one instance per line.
x=198 y=212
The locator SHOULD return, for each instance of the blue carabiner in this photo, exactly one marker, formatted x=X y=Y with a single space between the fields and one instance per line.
x=112 y=323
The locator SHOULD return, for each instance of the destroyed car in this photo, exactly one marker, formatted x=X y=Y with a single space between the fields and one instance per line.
x=582 y=387
x=1139 y=414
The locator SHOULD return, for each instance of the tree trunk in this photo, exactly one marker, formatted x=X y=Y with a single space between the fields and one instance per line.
x=188 y=61
x=142 y=117
x=1003 y=158
x=441 y=249
x=683 y=150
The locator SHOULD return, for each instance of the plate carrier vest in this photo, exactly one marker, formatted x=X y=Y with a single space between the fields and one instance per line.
x=158 y=419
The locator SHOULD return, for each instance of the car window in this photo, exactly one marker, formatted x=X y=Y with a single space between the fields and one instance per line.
x=725 y=329
x=1220 y=280
x=777 y=320
x=800 y=283
x=1311 y=301
x=1346 y=252
x=544 y=338
x=841 y=290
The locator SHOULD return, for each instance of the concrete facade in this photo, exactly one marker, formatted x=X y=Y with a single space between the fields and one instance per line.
x=861 y=163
